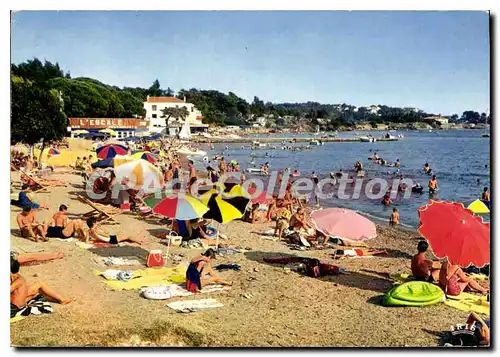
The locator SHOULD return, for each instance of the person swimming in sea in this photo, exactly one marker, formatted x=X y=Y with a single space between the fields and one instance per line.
x=427 y=169
x=433 y=185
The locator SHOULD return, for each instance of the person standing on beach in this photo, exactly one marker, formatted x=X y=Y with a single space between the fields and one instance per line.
x=394 y=220
x=192 y=174
x=222 y=166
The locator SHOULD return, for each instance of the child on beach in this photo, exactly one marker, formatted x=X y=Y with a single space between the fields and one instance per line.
x=199 y=269
x=394 y=221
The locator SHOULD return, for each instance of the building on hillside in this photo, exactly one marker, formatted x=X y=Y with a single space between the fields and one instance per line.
x=154 y=107
x=438 y=119
x=373 y=109
x=124 y=127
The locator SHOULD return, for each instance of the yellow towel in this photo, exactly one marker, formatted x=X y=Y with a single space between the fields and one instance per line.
x=17 y=318
x=480 y=305
x=149 y=277
x=467 y=296
x=401 y=278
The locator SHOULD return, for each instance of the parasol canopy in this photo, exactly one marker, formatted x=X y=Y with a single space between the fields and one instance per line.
x=343 y=223
x=220 y=209
x=111 y=150
x=478 y=207
x=180 y=206
x=145 y=155
x=108 y=131
x=142 y=174
x=455 y=233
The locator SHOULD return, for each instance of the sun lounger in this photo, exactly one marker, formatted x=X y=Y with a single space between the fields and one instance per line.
x=38 y=187
x=103 y=213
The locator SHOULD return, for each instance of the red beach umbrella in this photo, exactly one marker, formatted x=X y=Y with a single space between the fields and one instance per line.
x=455 y=233
x=111 y=150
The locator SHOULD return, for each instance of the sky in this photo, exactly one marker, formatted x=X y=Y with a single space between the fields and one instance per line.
x=436 y=61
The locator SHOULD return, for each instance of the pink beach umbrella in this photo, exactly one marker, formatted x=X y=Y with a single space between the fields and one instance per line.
x=343 y=223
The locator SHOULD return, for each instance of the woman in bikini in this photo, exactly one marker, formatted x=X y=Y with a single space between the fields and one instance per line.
x=453 y=280
x=199 y=268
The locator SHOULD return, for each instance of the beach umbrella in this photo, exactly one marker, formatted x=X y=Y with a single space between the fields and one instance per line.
x=479 y=207
x=102 y=164
x=237 y=196
x=108 y=131
x=221 y=210
x=343 y=223
x=455 y=233
x=53 y=152
x=142 y=174
x=79 y=132
x=181 y=206
x=145 y=155
x=111 y=150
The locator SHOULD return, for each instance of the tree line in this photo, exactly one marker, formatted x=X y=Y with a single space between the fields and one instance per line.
x=43 y=95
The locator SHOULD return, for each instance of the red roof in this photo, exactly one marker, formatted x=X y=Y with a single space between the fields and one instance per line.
x=164 y=100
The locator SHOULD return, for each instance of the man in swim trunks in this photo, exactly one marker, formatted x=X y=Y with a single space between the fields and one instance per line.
x=423 y=269
x=97 y=234
x=29 y=227
x=433 y=184
x=298 y=220
x=59 y=222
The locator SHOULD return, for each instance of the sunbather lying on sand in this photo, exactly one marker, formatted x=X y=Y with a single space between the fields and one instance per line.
x=29 y=227
x=199 y=268
x=97 y=234
x=314 y=267
x=356 y=252
x=29 y=258
x=42 y=181
x=27 y=198
x=21 y=293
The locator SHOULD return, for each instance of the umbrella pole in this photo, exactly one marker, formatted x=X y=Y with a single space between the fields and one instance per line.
x=217 y=238
x=168 y=243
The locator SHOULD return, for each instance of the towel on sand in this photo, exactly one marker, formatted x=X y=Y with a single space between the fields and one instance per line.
x=95 y=245
x=163 y=292
x=194 y=305
x=401 y=278
x=145 y=277
x=35 y=306
x=469 y=302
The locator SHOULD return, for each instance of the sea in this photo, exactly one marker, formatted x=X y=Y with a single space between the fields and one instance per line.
x=459 y=158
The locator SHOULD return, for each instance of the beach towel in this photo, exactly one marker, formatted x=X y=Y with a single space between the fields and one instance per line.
x=35 y=306
x=227 y=251
x=469 y=302
x=163 y=292
x=401 y=278
x=144 y=278
x=194 y=305
x=96 y=245
x=110 y=261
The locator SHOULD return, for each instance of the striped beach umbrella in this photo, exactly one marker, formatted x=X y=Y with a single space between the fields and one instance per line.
x=54 y=152
x=180 y=206
x=111 y=150
x=139 y=173
x=220 y=210
x=145 y=155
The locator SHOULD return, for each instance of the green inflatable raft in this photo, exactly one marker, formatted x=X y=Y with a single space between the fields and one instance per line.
x=414 y=293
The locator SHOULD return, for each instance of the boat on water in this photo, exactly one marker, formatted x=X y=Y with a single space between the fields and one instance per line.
x=315 y=142
x=401 y=136
x=258 y=144
x=485 y=135
x=389 y=136
x=367 y=139
x=185 y=133
x=185 y=150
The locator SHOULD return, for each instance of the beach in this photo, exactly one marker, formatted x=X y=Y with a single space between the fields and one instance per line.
x=285 y=308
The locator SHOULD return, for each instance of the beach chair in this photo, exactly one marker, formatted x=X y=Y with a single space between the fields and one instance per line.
x=38 y=187
x=103 y=213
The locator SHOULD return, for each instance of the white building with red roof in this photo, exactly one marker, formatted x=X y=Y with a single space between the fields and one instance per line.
x=154 y=107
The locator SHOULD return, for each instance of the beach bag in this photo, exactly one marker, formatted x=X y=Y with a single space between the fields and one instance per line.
x=155 y=259
x=125 y=207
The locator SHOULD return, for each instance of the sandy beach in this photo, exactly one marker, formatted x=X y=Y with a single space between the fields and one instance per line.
x=284 y=309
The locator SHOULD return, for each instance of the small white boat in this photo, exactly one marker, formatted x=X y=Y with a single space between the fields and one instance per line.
x=366 y=139
x=316 y=142
x=389 y=136
x=259 y=144
x=188 y=151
